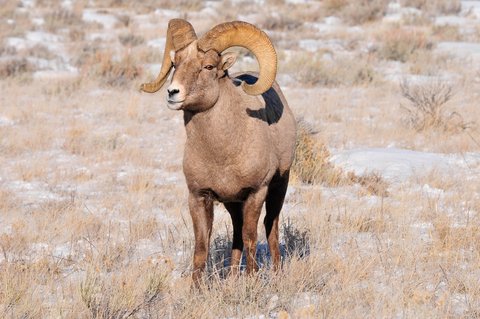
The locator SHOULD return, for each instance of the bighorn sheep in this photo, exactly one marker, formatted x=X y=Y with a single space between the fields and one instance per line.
x=240 y=134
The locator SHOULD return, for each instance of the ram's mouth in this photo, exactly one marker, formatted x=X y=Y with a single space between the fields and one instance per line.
x=174 y=105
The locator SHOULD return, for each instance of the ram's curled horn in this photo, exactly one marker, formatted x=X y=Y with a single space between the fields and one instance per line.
x=238 y=33
x=180 y=34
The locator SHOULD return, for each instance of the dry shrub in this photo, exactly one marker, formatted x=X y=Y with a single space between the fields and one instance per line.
x=130 y=40
x=311 y=164
x=126 y=294
x=7 y=50
x=311 y=69
x=40 y=51
x=12 y=67
x=334 y=6
x=400 y=44
x=76 y=34
x=428 y=107
x=149 y=6
x=113 y=72
x=296 y=240
x=64 y=87
x=436 y=7
x=447 y=32
x=61 y=18
x=141 y=182
x=279 y=22
x=75 y=140
x=8 y=8
x=372 y=183
x=362 y=11
x=17 y=299
x=124 y=20
x=426 y=63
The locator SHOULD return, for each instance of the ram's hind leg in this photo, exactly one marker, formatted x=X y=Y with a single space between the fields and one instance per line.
x=251 y=213
x=235 y=210
x=274 y=202
x=201 y=210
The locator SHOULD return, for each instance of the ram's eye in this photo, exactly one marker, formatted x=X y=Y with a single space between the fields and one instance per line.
x=209 y=67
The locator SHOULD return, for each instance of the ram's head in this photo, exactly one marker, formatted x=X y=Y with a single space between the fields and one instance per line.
x=199 y=64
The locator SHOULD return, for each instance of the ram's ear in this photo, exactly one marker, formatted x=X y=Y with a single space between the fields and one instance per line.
x=227 y=60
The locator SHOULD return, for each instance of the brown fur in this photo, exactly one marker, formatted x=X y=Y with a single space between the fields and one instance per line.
x=238 y=151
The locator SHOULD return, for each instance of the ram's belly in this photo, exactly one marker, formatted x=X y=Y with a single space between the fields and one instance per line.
x=226 y=185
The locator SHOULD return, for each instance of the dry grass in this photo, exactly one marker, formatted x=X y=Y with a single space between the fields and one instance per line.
x=311 y=164
x=363 y=11
x=428 y=107
x=93 y=210
x=15 y=67
x=112 y=71
x=314 y=70
x=400 y=44
x=60 y=18
x=436 y=7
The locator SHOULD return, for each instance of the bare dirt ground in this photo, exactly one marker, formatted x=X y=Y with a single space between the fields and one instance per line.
x=382 y=215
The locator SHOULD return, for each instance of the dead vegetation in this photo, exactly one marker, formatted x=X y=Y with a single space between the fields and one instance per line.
x=357 y=12
x=428 y=107
x=111 y=70
x=400 y=44
x=311 y=164
x=12 y=67
x=435 y=7
x=314 y=70
x=92 y=209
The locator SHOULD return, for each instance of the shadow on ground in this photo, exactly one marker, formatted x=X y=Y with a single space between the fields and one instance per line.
x=295 y=243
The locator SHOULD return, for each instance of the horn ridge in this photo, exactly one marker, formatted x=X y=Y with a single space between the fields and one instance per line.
x=180 y=34
x=244 y=34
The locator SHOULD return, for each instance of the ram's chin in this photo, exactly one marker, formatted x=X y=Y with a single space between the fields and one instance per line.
x=175 y=105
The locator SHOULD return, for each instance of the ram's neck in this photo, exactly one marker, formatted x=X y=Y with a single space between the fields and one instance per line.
x=219 y=133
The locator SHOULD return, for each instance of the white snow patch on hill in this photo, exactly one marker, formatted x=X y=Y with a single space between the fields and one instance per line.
x=399 y=164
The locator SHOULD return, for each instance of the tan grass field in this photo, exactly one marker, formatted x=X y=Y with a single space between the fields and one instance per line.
x=93 y=215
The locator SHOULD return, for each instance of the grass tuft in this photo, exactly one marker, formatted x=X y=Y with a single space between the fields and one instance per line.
x=428 y=107
x=311 y=164
x=400 y=44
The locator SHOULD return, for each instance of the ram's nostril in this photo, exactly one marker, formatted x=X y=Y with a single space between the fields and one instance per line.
x=172 y=92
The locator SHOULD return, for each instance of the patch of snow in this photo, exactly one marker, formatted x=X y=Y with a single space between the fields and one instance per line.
x=322 y=28
x=33 y=191
x=427 y=189
x=5 y=121
x=92 y=15
x=392 y=163
x=471 y=7
x=332 y=20
x=460 y=49
x=42 y=37
x=104 y=37
x=158 y=43
x=54 y=74
x=67 y=4
x=167 y=13
x=28 y=3
x=17 y=43
x=392 y=18
x=38 y=21
x=298 y=1
x=62 y=251
x=451 y=20
x=314 y=45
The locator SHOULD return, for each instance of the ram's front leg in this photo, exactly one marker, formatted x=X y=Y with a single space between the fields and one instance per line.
x=201 y=210
x=251 y=213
